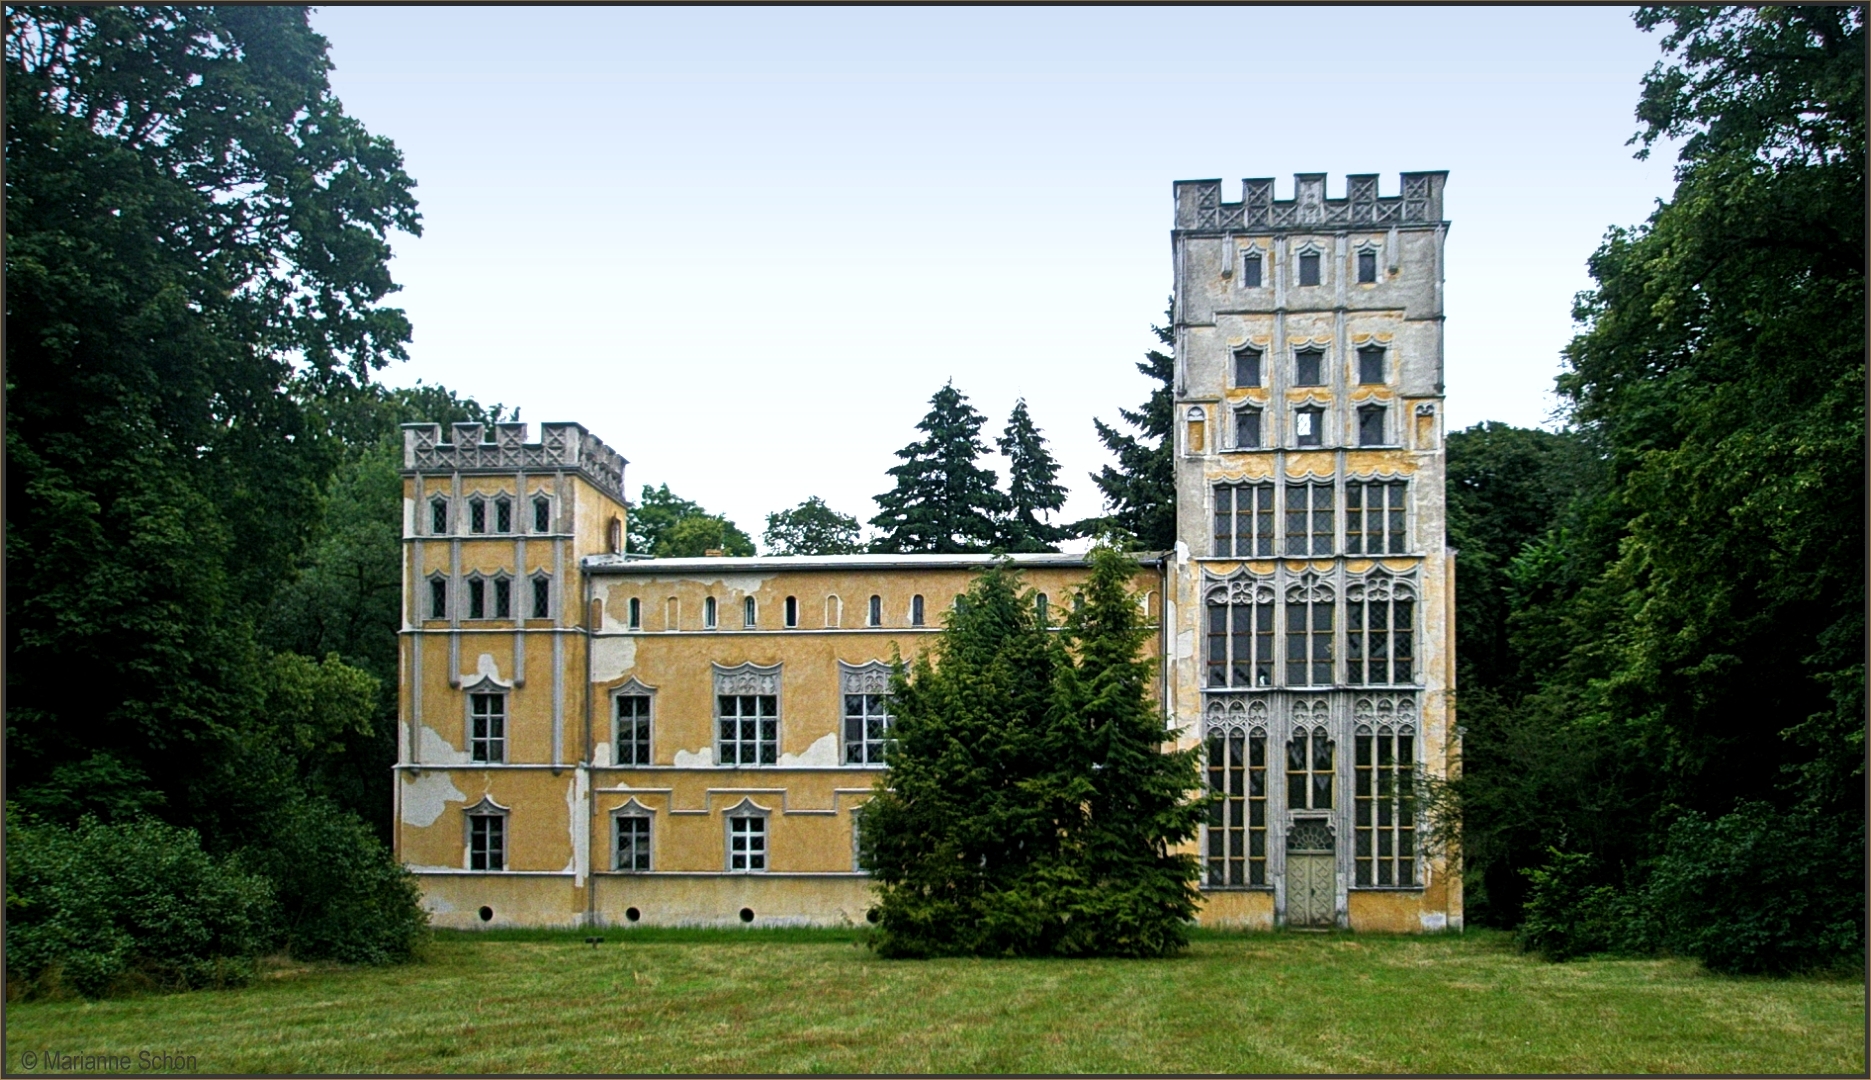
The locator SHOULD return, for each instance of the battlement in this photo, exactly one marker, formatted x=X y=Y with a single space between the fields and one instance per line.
x=1199 y=207
x=560 y=446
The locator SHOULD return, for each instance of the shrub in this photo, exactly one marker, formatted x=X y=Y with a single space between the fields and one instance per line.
x=95 y=908
x=342 y=894
x=1757 y=891
x=1570 y=912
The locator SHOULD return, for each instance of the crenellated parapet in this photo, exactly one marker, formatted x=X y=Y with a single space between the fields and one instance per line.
x=1199 y=206
x=561 y=446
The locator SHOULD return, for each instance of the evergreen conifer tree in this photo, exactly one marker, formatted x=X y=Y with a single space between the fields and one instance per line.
x=1140 y=493
x=1029 y=809
x=943 y=502
x=1032 y=492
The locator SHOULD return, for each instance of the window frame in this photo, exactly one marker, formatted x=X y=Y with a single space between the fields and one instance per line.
x=710 y=613
x=1252 y=268
x=542 y=512
x=1316 y=536
x=868 y=685
x=633 y=613
x=493 y=817
x=1257 y=415
x=874 y=614
x=918 y=610
x=1310 y=622
x=1258 y=541
x=1358 y=261
x=1373 y=414
x=503 y=515
x=751 y=689
x=757 y=856
x=643 y=848
x=541 y=606
x=438 y=596
x=1254 y=359
x=441 y=518
x=1305 y=259
x=1384 y=808
x=1369 y=355
x=790 y=611
x=503 y=596
x=1311 y=748
x=1241 y=635
x=1386 y=655
x=477 y=597
x=642 y=739
x=1234 y=853
x=1309 y=416
x=1391 y=517
x=487 y=728
x=477 y=515
x=1309 y=354
x=750 y=612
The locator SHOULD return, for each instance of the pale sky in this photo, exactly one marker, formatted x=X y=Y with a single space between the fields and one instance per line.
x=745 y=245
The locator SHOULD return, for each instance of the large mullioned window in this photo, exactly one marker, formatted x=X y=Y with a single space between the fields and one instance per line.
x=1240 y=634
x=1237 y=814
x=1309 y=769
x=1385 y=806
x=1309 y=606
x=1244 y=520
x=749 y=729
x=1309 y=519
x=1380 y=631
x=1374 y=517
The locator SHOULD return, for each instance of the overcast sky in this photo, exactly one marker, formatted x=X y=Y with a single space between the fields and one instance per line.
x=745 y=245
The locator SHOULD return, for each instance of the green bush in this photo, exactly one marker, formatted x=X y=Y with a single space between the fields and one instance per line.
x=1571 y=911
x=96 y=908
x=1758 y=891
x=342 y=894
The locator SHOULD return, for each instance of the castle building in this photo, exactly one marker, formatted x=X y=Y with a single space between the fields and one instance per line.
x=590 y=737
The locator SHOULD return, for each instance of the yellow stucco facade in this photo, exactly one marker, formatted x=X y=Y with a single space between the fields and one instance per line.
x=593 y=738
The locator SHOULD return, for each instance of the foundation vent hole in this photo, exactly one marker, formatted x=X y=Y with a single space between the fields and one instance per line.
x=747 y=914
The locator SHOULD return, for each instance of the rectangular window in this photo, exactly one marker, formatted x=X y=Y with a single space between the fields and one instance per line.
x=503 y=598
x=1244 y=521
x=750 y=611
x=1240 y=640
x=542 y=514
x=1371 y=425
x=1380 y=636
x=1309 y=771
x=1247 y=429
x=1309 y=519
x=1384 y=851
x=438 y=517
x=477 y=516
x=1374 y=517
x=749 y=726
x=1237 y=814
x=1247 y=367
x=633 y=729
x=708 y=613
x=503 y=515
x=1309 y=367
x=487 y=727
x=438 y=598
x=867 y=726
x=487 y=841
x=916 y=610
x=542 y=598
x=633 y=842
x=1371 y=366
x=876 y=615
x=792 y=611
x=1309 y=268
x=1308 y=427
x=633 y=613
x=1250 y=270
x=477 y=598
x=1308 y=641
x=1367 y=267
x=747 y=843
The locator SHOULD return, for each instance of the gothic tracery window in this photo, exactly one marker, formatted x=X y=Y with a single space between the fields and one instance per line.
x=1240 y=634
x=1380 y=631
x=1309 y=607
x=1310 y=768
x=1237 y=814
x=1384 y=797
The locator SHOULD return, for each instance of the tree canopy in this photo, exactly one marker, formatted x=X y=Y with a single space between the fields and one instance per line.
x=943 y=502
x=668 y=526
x=1033 y=491
x=812 y=528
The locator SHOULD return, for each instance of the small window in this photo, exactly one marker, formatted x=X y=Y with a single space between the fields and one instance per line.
x=1308 y=268
x=487 y=727
x=438 y=516
x=633 y=729
x=438 y=598
x=477 y=598
x=1246 y=429
x=916 y=610
x=542 y=597
x=834 y=610
x=1198 y=428
x=477 y=515
x=1309 y=426
x=542 y=513
x=615 y=535
x=1371 y=365
x=633 y=842
x=1371 y=425
x=1247 y=367
x=747 y=843
x=1309 y=368
x=708 y=613
x=1042 y=603
x=792 y=611
x=1367 y=267
x=672 y=613
x=875 y=616
x=487 y=841
x=1250 y=270
x=634 y=613
x=750 y=612
x=503 y=598
x=503 y=515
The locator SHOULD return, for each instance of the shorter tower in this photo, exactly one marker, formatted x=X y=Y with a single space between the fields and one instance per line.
x=1312 y=654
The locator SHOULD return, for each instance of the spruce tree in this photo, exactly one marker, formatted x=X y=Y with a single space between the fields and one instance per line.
x=954 y=827
x=1030 y=809
x=1032 y=492
x=943 y=502
x=1140 y=493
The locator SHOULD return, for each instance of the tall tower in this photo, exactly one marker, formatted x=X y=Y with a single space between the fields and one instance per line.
x=1313 y=648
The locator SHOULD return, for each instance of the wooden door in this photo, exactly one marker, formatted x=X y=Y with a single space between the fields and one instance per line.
x=1311 y=888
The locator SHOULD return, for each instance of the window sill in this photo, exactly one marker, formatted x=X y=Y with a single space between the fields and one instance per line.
x=1237 y=888
x=1386 y=888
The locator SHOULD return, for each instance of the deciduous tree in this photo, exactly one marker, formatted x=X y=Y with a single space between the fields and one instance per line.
x=812 y=528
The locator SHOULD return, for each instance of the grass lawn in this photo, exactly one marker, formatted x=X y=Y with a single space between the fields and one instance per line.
x=802 y=1001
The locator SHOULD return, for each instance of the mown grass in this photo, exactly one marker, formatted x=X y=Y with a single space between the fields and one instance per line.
x=814 y=1000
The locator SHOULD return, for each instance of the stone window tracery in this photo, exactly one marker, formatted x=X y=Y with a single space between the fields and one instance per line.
x=1384 y=822
x=1309 y=607
x=1237 y=813
x=1240 y=633
x=747 y=715
x=1380 y=630
x=1310 y=760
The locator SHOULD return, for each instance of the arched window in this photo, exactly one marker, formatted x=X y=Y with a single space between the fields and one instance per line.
x=542 y=513
x=916 y=610
x=477 y=514
x=1198 y=426
x=1240 y=633
x=750 y=611
x=438 y=597
x=503 y=514
x=615 y=535
x=708 y=613
x=834 y=610
x=876 y=615
x=542 y=597
x=503 y=597
x=1041 y=603
x=1309 y=770
x=438 y=515
x=792 y=612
